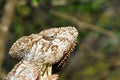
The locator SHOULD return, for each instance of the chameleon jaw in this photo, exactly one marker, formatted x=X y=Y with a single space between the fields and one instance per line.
x=59 y=65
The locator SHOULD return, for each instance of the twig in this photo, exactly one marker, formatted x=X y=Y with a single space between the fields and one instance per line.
x=83 y=24
x=4 y=26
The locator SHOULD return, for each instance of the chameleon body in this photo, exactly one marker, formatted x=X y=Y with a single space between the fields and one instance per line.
x=50 y=46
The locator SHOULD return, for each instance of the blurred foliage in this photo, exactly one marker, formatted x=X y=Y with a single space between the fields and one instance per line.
x=97 y=56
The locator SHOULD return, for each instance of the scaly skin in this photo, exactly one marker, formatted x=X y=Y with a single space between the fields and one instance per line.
x=49 y=46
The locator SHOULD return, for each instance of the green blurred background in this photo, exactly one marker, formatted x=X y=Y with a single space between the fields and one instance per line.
x=97 y=54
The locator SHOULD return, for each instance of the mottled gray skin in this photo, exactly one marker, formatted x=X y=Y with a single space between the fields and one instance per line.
x=49 y=46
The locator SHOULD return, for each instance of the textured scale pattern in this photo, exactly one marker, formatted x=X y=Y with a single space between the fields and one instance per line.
x=49 y=46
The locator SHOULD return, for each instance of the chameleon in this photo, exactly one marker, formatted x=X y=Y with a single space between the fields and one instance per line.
x=39 y=52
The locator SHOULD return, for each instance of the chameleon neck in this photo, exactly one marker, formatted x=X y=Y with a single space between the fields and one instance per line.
x=25 y=71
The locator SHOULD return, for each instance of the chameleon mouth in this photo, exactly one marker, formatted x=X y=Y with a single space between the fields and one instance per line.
x=59 y=65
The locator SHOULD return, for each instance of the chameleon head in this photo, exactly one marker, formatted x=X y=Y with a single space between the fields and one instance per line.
x=49 y=45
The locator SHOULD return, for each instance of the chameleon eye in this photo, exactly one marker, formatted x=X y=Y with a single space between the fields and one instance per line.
x=49 y=36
